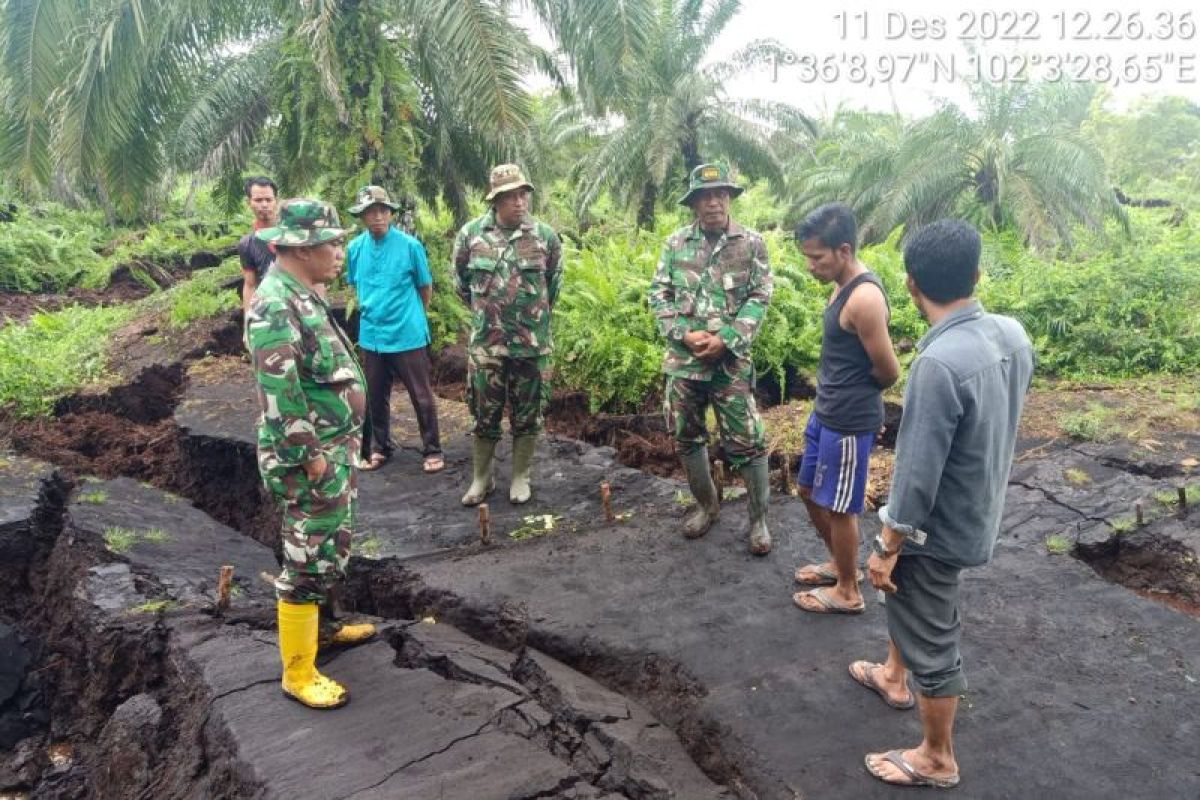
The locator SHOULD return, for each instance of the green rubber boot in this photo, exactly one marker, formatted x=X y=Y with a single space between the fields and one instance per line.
x=758 y=490
x=522 y=457
x=708 y=506
x=482 y=482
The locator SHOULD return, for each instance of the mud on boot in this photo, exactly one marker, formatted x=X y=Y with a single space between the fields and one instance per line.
x=483 y=482
x=298 y=648
x=758 y=491
x=700 y=482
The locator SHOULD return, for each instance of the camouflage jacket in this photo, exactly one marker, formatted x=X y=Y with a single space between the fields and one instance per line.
x=510 y=284
x=310 y=386
x=722 y=287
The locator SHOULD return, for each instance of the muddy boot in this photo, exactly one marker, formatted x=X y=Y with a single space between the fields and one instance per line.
x=758 y=490
x=483 y=482
x=298 y=648
x=333 y=632
x=520 y=491
x=708 y=507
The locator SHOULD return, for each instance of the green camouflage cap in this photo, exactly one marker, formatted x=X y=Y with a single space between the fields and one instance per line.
x=710 y=176
x=505 y=178
x=369 y=196
x=304 y=223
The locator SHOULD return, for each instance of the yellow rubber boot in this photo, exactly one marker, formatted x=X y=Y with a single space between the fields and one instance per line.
x=298 y=648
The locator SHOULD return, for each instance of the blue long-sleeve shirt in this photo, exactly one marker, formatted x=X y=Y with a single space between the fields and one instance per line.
x=962 y=405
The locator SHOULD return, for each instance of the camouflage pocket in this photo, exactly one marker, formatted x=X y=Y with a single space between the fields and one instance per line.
x=481 y=271
x=737 y=289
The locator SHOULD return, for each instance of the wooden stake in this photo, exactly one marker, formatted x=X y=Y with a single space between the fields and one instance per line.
x=606 y=501
x=223 y=583
x=787 y=473
x=1137 y=513
x=719 y=480
x=485 y=525
x=1182 y=501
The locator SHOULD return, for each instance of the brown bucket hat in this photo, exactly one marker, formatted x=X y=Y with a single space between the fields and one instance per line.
x=505 y=178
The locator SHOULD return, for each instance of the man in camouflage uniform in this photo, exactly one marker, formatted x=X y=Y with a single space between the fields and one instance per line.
x=507 y=270
x=310 y=392
x=709 y=294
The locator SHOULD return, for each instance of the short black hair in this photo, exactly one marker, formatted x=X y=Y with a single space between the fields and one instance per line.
x=833 y=224
x=260 y=180
x=943 y=259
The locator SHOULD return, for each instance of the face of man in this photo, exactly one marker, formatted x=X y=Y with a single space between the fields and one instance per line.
x=511 y=207
x=712 y=208
x=826 y=264
x=317 y=264
x=262 y=204
x=377 y=218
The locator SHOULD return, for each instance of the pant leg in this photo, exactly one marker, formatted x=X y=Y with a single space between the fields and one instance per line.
x=318 y=525
x=684 y=404
x=925 y=625
x=743 y=437
x=378 y=371
x=414 y=369
x=528 y=393
x=486 y=393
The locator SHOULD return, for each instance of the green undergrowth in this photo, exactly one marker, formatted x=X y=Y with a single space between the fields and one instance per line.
x=54 y=353
x=50 y=248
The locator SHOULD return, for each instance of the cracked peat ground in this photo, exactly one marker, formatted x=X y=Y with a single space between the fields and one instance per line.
x=590 y=660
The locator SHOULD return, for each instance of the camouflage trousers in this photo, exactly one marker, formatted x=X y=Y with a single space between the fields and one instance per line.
x=732 y=399
x=524 y=383
x=318 y=523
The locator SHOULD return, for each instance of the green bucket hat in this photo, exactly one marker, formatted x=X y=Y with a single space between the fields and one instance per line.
x=710 y=176
x=369 y=196
x=505 y=178
x=304 y=223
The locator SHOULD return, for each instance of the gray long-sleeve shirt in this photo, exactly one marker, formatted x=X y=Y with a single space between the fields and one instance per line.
x=962 y=404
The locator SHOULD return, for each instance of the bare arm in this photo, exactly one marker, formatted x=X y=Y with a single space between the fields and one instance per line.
x=426 y=293
x=249 y=284
x=866 y=313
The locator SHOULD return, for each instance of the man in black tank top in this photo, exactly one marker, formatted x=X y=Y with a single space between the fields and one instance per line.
x=857 y=364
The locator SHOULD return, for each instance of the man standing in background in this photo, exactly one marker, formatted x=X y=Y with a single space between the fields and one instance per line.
x=710 y=294
x=508 y=272
x=390 y=272
x=255 y=254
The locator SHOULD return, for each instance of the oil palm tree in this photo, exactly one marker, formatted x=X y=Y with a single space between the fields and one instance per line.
x=1021 y=162
x=117 y=94
x=656 y=110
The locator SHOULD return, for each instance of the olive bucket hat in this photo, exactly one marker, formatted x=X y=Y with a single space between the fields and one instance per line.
x=369 y=196
x=710 y=176
x=304 y=223
x=505 y=178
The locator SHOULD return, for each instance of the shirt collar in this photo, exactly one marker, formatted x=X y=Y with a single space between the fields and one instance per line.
x=293 y=285
x=973 y=310
x=489 y=223
x=734 y=231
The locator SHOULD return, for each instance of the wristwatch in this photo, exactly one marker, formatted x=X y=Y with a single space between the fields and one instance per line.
x=880 y=547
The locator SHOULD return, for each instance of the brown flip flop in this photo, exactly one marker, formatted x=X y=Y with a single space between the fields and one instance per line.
x=865 y=676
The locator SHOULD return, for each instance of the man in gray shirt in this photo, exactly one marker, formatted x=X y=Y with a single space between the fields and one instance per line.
x=954 y=451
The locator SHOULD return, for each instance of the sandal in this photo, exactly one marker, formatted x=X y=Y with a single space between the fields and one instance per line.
x=818 y=601
x=434 y=464
x=820 y=575
x=376 y=461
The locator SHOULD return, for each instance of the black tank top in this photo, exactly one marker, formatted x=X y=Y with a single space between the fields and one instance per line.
x=848 y=399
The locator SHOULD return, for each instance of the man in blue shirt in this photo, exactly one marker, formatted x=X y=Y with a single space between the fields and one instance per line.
x=390 y=272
